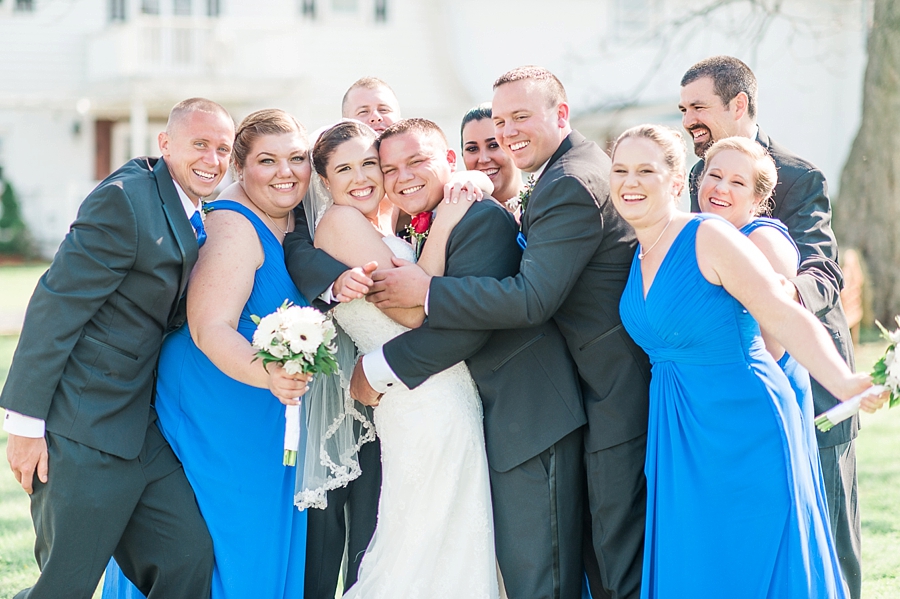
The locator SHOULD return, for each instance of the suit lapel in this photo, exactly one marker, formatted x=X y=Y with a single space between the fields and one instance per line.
x=571 y=139
x=181 y=227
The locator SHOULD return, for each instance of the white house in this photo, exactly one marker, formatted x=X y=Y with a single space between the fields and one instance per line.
x=87 y=84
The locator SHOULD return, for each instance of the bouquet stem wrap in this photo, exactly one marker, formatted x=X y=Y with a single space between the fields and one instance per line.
x=886 y=376
x=291 y=434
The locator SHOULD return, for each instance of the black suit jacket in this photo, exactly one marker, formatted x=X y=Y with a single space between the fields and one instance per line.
x=312 y=270
x=802 y=204
x=86 y=358
x=526 y=378
x=574 y=271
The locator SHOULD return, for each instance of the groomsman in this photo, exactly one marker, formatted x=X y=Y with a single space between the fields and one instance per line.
x=719 y=100
x=578 y=252
x=350 y=518
x=533 y=414
x=371 y=101
x=83 y=440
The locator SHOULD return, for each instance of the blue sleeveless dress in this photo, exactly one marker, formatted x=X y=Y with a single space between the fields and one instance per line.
x=229 y=436
x=796 y=374
x=732 y=503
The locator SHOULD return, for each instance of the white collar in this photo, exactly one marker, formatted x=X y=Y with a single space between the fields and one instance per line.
x=189 y=207
x=537 y=173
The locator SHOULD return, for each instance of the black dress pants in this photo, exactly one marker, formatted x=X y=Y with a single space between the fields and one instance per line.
x=538 y=522
x=142 y=511
x=348 y=520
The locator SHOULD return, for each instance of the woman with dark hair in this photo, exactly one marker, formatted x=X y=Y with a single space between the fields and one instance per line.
x=434 y=536
x=218 y=408
x=481 y=152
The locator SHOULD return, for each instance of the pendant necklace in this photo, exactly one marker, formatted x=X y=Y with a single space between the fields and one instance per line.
x=642 y=254
x=287 y=224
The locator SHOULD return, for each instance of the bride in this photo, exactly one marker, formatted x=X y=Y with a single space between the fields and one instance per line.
x=435 y=530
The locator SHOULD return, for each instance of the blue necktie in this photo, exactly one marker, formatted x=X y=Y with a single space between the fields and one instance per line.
x=197 y=223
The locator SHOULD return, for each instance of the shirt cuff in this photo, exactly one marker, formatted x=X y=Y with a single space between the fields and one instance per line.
x=378 y=372
x=23 y=426
x=427 y=297
x=328 y=295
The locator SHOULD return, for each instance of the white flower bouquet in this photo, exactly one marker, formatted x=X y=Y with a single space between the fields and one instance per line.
x=885 y=375
x=301 y=339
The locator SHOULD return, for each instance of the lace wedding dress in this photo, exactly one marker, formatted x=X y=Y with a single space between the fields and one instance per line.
x=434 y=537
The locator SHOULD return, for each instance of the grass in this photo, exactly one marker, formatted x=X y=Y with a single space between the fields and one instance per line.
x=878 y=453
x=18 y=284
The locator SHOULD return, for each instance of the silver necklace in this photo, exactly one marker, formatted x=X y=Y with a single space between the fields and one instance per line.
x=642 y=254
x=280 y=230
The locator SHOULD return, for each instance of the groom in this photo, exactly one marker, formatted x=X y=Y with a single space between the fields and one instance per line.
x=533 y=414
x=573 y=271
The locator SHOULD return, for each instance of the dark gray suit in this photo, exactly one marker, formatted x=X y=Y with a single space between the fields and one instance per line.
x=352 y=512
x=801 y=203
x=533 y=415
x=85 y=363
x=573 y=271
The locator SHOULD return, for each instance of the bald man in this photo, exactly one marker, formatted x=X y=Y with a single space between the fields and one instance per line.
x=83 y=440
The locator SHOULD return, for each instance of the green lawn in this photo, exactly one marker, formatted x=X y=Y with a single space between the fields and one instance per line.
x=878 y=452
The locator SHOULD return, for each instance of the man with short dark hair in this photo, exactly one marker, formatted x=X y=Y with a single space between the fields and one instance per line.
x=83 y=438
x=577 y=256
x=719 y=100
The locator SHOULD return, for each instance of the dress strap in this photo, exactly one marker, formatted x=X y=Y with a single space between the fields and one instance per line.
x=772 y=223
x=265 y=234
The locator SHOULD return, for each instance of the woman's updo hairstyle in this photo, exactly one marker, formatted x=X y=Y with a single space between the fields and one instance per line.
x=765 y=173
x=332 y=138
x=477 y=113
x=668 y=139
x=271 y=121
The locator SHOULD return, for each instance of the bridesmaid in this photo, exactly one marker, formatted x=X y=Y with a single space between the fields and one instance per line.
x=737 y=184
x=481 y=152
x=220 y=409
x=732 y=508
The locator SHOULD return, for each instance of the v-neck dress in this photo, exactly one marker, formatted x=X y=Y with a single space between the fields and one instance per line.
x=732 y=507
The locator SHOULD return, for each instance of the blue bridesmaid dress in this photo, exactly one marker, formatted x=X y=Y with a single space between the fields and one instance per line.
x=229 y=436
x=732 y=502
x=796 y=374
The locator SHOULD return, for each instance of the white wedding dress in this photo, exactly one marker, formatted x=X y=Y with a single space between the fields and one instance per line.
x=434 y=537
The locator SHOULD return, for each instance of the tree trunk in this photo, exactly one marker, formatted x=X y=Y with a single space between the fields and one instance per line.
x=867 y=213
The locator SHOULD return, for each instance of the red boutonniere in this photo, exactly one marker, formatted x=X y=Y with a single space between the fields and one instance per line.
x=418 y=230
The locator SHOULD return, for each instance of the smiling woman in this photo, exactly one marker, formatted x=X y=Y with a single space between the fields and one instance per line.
x=721 y=409
x=481 y=151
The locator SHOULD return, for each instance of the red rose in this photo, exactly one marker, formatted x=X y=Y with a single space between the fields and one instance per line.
x=421 y=222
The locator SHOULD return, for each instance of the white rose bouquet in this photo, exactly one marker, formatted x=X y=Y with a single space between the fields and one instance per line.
x=301 y=339
x=885 y=375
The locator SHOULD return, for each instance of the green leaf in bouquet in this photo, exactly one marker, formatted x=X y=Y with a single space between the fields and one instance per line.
x=879 y=371
x=256 y=319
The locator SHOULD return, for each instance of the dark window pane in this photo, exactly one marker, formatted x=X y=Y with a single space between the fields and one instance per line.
x=117 y=10
x=181 y=7
x=213 y=8
x=150 y=7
